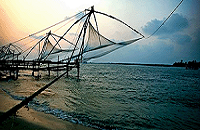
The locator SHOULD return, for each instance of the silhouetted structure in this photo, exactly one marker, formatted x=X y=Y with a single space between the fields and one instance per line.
x=194 y=65
x=179 y=64
x=11 y=68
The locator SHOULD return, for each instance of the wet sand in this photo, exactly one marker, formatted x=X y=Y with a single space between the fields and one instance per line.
x=31 y=119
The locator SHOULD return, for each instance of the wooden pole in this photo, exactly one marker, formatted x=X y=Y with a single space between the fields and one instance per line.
x=10 y=66
x=33 y=68
x=17 y=68
x=48 y=69
x=27 y=63
x=78 y=67
x=13 y=110
x=67 y=70
x=38 y=69
x=57 y=66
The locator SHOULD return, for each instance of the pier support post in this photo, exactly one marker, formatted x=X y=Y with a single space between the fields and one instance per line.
x=17 y=69
x=67 y=70
x=48 y=69
x=57 y=66
x=78 y=68
x=38 y=76
x=33 y=68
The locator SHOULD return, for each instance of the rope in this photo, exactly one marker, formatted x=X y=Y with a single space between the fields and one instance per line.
x=45 y=28
x=119 y=21
x=165 y=20
x=67 y=22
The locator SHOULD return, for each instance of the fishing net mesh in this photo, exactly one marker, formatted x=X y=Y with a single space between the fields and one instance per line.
x=98 y=45
x=67 y=47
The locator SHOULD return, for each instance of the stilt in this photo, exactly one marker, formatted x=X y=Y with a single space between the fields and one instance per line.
x=78 y=67
x=57 y=66
x=17 y=73
x=33 y=68
x=48 y=69
x=10 y=73
x=17 y=70
x=38 y=69
x=67 y=70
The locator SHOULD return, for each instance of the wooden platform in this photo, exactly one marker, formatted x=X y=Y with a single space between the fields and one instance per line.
x=13 y=66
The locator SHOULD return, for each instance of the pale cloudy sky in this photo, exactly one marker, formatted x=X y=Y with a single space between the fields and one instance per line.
x=178 y=39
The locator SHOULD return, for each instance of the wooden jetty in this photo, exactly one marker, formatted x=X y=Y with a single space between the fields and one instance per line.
x=11 y=68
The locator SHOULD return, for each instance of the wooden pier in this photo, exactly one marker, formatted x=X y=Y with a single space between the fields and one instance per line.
x=11 y=68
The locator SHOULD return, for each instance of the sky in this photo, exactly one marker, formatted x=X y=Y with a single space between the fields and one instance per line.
x=178 y=39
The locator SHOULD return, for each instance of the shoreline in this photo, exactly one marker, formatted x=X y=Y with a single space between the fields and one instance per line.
x=31 y=119
x=161 y=65
x=194 y=65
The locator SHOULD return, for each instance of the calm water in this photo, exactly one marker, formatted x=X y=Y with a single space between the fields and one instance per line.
x=128 y=97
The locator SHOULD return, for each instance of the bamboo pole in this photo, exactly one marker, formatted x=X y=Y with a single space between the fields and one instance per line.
x=33 y=68
x=48 y=69
x=57 y=66
x=67 y=70
x=27 y=100
x=17 y=70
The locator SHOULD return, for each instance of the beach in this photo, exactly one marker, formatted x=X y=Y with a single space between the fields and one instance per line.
x=27 y=118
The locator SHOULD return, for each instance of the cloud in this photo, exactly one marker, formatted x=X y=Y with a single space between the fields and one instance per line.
x=197 y=34
x=153 y=52
x=176 y=40
x=181 y=39
x=175 y=24
x=174 y=31
x=195 y=45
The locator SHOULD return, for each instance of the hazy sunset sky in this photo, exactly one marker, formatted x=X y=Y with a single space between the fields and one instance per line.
x=178 y=39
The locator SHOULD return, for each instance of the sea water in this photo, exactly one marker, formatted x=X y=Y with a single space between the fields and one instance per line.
x=109 y=96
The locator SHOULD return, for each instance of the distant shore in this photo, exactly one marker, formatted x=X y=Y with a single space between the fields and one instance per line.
x=161 y=65
x=188 y=65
